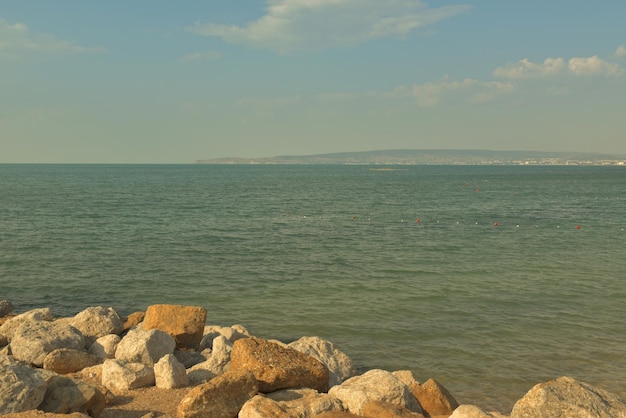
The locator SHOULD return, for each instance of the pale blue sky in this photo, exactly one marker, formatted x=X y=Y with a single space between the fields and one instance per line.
x=158 y=81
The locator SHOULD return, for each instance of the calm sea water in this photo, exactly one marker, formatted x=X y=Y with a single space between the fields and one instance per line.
x=488 y=278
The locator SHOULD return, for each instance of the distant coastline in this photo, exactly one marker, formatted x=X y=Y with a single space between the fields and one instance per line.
x=434 y=157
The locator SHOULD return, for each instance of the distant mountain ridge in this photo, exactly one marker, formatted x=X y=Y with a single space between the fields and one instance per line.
x=433 y=157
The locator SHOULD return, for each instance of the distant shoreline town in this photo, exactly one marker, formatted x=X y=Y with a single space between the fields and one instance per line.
x=435 y=157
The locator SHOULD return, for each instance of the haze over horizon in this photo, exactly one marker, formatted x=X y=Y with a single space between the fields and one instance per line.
x=167 y=82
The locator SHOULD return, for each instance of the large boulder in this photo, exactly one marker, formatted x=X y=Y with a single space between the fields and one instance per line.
x=143 y=346
x=374 y=385
x=66 y=360
x=567 y=397
x=21 y=388
x=169 y=373
x=276 y=367
x=184 y=323
x=97 y=321
x=65 y=396
x=222 y=397
x=340 y=366
x=33 y=340
x=8 y=328
x=118 y=376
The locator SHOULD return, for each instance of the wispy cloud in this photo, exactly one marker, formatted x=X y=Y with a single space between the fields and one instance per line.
x=580 y=66
x=467 y=90
x=17 y=39
x=620 y=52
x=202 y=56
x=292 y=25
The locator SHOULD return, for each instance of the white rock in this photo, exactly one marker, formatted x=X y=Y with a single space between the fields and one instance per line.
x=170 y=373
x=217 y=364
x=142 y=346
x=97 y=321
x=232 y=334
x=105 y=346
x=8 y=328
x=33 y=340
x=470 y=411
x=21 y=388
x=340 y=366
x=374 y=385
x=118 y=376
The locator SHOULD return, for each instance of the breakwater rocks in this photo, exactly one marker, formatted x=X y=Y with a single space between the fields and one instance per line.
x=89 y=364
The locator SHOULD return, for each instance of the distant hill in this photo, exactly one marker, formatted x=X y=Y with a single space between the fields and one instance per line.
x=434 y=157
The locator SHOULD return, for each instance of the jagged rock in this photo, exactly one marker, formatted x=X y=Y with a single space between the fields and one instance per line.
x=184 y=323
x=105 y=346
x=337 y=414
x=232 y=334
x=170 y=373
x=35 y=413
x=66 y=360
x=472 y=411
x=4 y=341
x=434 y=398
x=119 y=376
x=142 y=346
x=65 y=396
x=276 y=367
x=222 y=397
x=21 y=388
x=340 y=366
x=216 y=364
x=189 y=358
x=262 y=407
x=8 y=328
x=133 y=320
x=374 y=385
x=378 y=409
x=567 y=397
x=93 y=376
x=6 y=308
x=97 y=321
x=33 y=340
x=305 y=402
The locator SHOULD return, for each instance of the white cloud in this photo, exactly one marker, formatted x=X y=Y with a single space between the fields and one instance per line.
x=468 y=90
x=16 y=39
x=291 y=25
x=202 y=56
x=620 y=52
x=527 y=69
x=593 y=66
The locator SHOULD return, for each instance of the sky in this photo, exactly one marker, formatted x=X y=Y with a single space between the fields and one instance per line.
x=164 y=81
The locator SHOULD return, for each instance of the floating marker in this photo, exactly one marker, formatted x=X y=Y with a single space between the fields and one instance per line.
x=578 y=226
x=496 y=223
x=417 y=221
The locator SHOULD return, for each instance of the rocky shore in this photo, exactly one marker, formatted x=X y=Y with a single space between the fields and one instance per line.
x=166 y=362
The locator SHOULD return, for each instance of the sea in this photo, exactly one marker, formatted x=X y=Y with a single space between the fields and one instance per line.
x=489 y=279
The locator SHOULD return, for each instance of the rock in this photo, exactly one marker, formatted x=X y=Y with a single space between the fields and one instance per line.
x=232 y=334
x=142 y=346
x=189 y=358
x=119 y=376
x=4 y=341
x=337 y=414
x=276 y=367
x=133 y=320
x=97 y=321
x=40 y=414
x=184 y=323
x=378 y=409
x=105 y=346
x=6 y=308
x=65 y=396
x=93 y=376
x=169 y=373
x=222 y=397
x=262 y=407
x=567 y=397
x=21 y=388
x=305 y=402
x=471 y=411
x=434 y=398
x=33 y=340
x=374 y=385
x=8 y=328
x=339 y=365
x=66 y=360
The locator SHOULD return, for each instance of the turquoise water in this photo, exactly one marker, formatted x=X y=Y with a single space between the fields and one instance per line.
x=493 y=290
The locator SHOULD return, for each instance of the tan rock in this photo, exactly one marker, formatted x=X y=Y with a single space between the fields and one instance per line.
x=132 y=320
x=105 y=346
x=41 y=414
x=378 y=409
x=262 y=407
x=301 y=403
x=222 y=397
x=434 y=398
x=337 y=414
x=184 y=323
x=170 y=373
x=66 y=360
x=471 y=411
x=276 y=367
x=97 y=321
x=65 y=395
x=119 y=376
x=339 y=365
